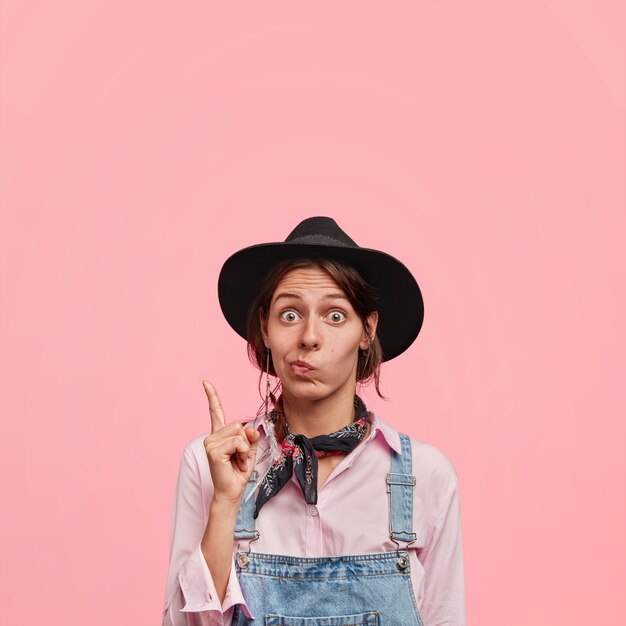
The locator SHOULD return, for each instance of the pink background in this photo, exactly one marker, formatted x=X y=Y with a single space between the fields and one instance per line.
x=482 y=143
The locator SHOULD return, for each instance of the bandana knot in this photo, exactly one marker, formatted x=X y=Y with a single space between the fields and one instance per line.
x=299 y=454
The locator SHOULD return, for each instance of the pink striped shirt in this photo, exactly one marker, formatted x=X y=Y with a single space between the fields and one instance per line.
x=351 y=517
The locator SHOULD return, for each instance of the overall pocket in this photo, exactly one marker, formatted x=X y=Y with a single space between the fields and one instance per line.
x=369 y=619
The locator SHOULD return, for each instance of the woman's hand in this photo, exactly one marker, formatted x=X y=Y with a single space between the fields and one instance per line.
x=231 y=452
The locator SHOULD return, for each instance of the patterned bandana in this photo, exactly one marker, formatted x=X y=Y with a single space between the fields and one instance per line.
x=299 y=453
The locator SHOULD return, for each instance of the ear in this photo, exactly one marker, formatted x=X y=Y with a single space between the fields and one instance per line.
x=371 y=323
x=263 y=327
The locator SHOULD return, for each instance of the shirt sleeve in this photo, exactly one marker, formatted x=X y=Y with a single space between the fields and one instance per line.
x=442 y=559
x=190 y=597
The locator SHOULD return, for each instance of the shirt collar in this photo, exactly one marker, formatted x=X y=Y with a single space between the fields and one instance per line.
x=391 y=436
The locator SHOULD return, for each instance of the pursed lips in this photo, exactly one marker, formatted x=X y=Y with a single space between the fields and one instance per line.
x=300 y=367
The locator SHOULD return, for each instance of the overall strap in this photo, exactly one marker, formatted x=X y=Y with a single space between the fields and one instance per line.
x=245 y=526
x=400 y=482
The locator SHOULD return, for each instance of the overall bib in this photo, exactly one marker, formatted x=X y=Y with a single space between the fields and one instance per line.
x=344 y=590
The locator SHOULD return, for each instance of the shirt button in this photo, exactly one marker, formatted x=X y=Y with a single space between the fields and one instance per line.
x=313 y=511
x=208 y=596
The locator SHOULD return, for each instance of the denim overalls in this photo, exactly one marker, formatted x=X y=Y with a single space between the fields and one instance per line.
x=335 y=590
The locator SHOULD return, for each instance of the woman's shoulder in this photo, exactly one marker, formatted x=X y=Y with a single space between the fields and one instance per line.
x=428 y=457
x=194 y=448
x=429 y=461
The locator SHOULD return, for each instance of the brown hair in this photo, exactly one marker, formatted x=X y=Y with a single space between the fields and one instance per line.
x=361 y=295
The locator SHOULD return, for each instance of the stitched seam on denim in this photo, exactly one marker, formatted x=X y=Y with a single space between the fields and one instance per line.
x=351 y=576
x=369 y=621
x=391 y=557
x=274 y=616
x=245 y=522
x=289 y=617
x=417 y=612
x=401 y=501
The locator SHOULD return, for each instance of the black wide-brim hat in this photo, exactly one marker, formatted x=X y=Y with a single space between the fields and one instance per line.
x=400 y=315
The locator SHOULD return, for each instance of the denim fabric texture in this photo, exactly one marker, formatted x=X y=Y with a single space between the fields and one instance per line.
x=339 y=590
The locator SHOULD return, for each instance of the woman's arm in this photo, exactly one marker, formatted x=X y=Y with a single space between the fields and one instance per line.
x=217 y=543
x=442 y=559
x=230 y=452
x=191 y=596
x=202 y=570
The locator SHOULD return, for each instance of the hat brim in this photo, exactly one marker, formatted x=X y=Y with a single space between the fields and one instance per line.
x=400 y=316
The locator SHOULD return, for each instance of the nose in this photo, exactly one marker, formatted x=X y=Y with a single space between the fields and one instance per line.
x=310 y=336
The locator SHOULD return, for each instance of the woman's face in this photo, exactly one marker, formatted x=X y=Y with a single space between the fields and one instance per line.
x=311 y=321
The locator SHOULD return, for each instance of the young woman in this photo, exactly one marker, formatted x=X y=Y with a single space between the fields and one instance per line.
x=318 y=512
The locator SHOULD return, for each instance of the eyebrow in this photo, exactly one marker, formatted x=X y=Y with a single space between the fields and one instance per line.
x=329 y=296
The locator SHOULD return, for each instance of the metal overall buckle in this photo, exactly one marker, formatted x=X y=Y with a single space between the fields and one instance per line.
x=402 y=562
x=242 y=557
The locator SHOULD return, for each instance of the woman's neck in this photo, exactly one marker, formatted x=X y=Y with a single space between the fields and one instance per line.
x=318 y=417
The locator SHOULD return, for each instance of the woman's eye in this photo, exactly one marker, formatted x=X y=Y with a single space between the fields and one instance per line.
x=289 y=316
x=337 y=316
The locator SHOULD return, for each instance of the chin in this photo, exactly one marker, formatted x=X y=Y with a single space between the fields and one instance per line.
x=305 y=390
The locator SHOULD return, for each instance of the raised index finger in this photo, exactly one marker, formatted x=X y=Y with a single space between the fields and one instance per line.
x=215 y=406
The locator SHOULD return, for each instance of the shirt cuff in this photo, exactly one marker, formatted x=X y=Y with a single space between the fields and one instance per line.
x=199 y=590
